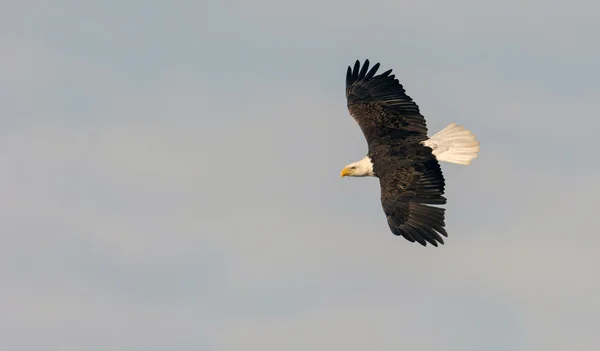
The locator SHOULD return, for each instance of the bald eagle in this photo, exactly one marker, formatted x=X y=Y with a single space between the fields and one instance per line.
x=401 y=155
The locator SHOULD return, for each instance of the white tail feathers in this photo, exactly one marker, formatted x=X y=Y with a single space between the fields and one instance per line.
x=454 y=144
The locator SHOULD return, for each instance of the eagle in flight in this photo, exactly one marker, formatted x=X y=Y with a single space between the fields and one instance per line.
x=401 y=155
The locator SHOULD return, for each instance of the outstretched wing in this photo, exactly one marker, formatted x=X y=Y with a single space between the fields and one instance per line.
x=408 y=189
x=410 y=177
x=380 y=106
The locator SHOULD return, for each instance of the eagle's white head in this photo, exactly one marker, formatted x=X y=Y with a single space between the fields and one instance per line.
x=362 y=168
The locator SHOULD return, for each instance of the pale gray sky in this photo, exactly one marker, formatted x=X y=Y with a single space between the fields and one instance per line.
x=170 y=177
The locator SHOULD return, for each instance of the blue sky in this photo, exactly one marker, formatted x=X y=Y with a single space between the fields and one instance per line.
x=170 y=177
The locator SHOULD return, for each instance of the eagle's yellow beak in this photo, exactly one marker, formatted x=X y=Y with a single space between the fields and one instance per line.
x=345 y=172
